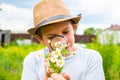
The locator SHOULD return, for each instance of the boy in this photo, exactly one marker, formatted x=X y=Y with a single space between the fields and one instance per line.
x=51 y=19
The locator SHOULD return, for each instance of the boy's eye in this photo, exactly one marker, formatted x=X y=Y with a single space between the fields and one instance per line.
x=65 y=32
x=50 y=37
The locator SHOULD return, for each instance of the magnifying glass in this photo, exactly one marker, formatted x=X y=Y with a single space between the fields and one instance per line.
x=58 y=41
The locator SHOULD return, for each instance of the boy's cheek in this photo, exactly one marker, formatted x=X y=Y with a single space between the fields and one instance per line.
x=70 y=39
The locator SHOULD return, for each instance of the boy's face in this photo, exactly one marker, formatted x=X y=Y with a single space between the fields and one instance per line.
x=65 y=29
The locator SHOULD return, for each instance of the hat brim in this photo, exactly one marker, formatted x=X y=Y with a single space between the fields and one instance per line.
x=76 y=19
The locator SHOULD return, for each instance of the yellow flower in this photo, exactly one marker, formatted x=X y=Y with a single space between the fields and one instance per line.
x=60 y=63
x=55 y=53
x=39 y=56
x=53 y=59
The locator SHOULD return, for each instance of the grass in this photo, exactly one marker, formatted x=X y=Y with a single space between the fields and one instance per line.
x=11 y=59
x=111 y=59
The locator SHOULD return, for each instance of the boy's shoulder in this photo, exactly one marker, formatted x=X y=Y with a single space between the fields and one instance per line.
x=35 y=55
x=84 y=48
x=88 y=56
x=89 y=53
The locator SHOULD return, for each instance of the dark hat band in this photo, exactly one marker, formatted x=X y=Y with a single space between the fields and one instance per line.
x=53 y=18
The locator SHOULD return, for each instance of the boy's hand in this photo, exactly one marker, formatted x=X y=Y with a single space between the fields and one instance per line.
x=56 y=76
x=51 y=75
x=49 y=70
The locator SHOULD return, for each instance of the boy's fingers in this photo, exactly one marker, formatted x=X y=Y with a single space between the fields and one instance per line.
x=66 y=76
x=49 y=79
x=49 y=70
x=56 y=76
x=46 y=63
x=63 y=76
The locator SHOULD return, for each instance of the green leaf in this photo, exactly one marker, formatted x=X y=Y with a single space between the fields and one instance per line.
x=64 y=51
x=59 y=57
x=52 y=65
x=60 y=69
x=47 y=55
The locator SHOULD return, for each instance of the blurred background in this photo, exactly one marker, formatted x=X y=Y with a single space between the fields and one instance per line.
x=98 y=29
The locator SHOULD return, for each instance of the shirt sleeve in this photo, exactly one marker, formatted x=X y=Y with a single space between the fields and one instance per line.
x=29 y=70
x=95 y=68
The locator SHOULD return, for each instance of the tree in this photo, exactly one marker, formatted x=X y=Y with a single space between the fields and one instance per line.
x=89 y=31
x=98 y=31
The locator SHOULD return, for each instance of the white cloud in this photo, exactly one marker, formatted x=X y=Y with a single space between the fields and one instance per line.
x=73 y=6
x=15 y=19
x=115 y=16
x=107 y=8
x=96 y=13
x=96 y=6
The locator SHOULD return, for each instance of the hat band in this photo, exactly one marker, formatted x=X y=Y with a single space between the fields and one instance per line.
x=53 y=18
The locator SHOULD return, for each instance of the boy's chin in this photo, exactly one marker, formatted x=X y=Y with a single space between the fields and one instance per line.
x=71 y=48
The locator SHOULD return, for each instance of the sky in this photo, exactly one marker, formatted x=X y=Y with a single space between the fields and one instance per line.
x=17 y=15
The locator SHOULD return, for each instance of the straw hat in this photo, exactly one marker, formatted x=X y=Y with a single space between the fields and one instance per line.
x=51 y=11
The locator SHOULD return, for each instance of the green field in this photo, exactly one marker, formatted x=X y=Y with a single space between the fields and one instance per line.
x=11 y=59
x=111 y=59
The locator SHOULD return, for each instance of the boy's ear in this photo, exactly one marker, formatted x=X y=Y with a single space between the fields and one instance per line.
x=74 y=26
x=39 y=39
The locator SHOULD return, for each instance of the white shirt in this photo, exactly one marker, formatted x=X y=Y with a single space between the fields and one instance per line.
x=86 y=64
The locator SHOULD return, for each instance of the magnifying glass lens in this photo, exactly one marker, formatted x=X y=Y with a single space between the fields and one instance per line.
x=58 y=42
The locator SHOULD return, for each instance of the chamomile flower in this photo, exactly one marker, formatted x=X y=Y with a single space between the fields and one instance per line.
x=63 y=46
x=58 y=50
x=56 y=58
x=60 y=63
x=53 y=59
x=58 y=44
x=55 y=54
x=39 y=56
x=73 y=53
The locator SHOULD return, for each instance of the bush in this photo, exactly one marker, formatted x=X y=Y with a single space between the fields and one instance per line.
x=11 y=60
x=111 y=61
